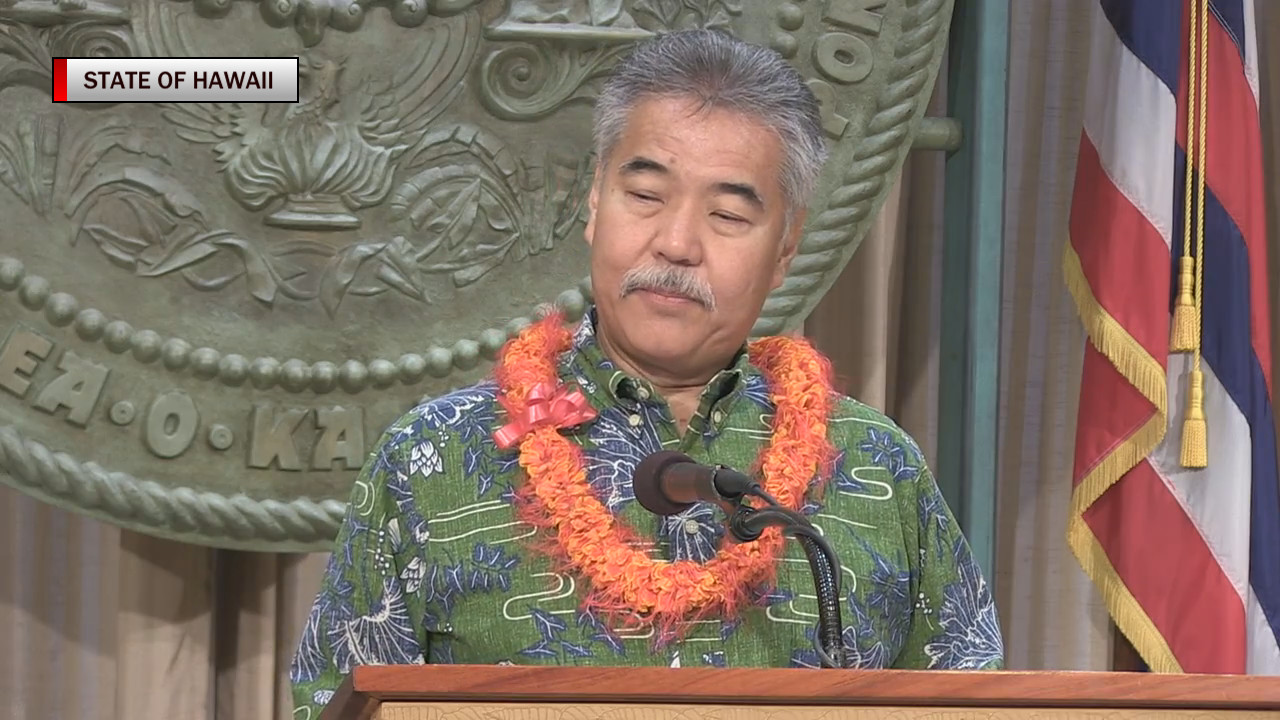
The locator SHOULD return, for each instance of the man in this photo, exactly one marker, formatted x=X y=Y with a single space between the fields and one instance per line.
x=478 y=536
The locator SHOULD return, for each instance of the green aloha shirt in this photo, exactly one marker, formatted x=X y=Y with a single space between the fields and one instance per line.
x=431 y=564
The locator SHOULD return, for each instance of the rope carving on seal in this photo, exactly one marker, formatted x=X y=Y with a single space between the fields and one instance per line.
x=826 y=239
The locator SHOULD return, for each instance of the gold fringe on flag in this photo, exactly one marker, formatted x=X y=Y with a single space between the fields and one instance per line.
x=1187 y=331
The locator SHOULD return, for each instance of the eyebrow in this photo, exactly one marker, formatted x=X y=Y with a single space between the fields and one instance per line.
x=640 y=164
x=746 y=191
x=742 y=190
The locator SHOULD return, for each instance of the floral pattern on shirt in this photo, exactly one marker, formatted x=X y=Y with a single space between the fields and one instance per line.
x=433 y=566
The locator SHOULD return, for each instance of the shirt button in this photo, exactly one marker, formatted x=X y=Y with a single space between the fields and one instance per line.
x=691 y=526
x=634 y=420
x=717 y=417
x=642 y=393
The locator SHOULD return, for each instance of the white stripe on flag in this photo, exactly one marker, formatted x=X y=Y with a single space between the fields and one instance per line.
x=1131 y=117
x=1217 y=497
x=1251 y=49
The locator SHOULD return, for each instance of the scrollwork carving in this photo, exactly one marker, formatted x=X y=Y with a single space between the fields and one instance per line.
x=467 y=208
x=310 y=18
x=473 y=211
x=558 y=48
x=528 y=81
x=89 y=38
x=32 y=34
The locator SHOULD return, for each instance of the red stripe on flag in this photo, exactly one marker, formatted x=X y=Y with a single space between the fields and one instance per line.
x=1111 y=410
x=1233 y=159
x=1163 y=560
x=59 y=79
x=1122 y=255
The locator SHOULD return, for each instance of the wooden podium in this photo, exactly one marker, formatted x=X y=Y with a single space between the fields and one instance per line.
x=463 y=692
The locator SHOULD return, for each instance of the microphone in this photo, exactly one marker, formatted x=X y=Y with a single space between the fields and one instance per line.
x=668 y=483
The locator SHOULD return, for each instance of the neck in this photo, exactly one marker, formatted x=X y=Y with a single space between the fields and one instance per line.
x=681 y=391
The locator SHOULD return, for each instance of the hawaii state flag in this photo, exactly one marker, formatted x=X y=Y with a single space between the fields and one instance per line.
x=1177 y=523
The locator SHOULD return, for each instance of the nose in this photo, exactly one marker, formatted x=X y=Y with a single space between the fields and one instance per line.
x=679 y=239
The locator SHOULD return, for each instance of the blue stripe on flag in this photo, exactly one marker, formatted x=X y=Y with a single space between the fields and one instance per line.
x=1230 y=14
x=1152 y=30
x=1227 y=348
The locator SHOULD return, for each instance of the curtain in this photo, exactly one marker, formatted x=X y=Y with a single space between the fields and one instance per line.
x=105 y=623
x=1052 y=617
x=880 y=324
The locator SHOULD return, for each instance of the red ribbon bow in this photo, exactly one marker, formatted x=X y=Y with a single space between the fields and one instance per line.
x=547 y=406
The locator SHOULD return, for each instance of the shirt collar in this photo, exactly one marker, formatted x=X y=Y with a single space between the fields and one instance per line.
x=607 y=385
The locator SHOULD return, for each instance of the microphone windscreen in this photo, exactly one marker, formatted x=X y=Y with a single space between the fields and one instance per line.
x=646 y=482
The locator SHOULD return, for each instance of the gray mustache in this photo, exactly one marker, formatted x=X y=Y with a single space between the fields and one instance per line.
x=670 y=280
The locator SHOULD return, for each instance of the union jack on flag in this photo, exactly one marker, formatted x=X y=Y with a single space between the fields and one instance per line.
x=1175 y=511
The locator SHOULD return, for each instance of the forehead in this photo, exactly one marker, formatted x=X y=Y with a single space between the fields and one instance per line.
x=698 y=142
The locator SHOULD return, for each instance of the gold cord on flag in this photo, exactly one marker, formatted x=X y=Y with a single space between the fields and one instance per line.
x=1187 y=327
x=1185 y=334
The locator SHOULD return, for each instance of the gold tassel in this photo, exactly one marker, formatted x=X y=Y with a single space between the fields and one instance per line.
x=1185 y=336
x=1195 y=430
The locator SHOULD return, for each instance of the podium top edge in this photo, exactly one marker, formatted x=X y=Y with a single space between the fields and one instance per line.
x=801 y=686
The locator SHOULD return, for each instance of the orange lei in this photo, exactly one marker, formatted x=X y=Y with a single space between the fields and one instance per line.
x=591 y=543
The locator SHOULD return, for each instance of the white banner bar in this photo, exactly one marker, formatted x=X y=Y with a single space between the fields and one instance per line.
x=129 y=80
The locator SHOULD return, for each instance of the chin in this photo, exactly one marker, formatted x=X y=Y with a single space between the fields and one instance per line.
x=663 y=339
x=665 y=318
x=666 y=350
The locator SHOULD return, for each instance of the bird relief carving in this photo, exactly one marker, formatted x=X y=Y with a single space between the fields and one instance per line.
x=337 y=150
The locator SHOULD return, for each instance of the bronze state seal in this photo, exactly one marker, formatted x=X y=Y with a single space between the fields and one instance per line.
x=209 y=312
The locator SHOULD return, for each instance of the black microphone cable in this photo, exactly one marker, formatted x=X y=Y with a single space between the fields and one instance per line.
x=828 y=641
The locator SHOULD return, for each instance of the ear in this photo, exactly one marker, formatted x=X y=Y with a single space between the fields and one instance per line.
x=593 y=199
x=790 y=246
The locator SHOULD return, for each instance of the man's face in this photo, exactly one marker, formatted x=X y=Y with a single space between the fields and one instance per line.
x=691 y=196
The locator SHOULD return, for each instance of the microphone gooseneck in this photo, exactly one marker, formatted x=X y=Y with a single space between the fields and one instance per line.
x=748 y=524
x=668 y=483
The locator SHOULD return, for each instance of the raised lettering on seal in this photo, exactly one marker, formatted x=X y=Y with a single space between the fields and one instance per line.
x=77 y=388
x=341 y=438
x=843 y=58
x=172 y=422
x=847 y=57
x=833 y=123
x=19 y=358
x=271 y=437
x=856 y=15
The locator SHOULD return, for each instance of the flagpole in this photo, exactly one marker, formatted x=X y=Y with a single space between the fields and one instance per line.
x=977 y=72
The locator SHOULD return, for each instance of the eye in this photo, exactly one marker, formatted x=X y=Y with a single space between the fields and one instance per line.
x=729 y=217
x=642 y=197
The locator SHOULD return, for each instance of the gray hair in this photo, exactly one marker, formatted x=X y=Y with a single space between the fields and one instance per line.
x=722 y=72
